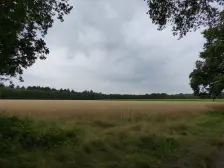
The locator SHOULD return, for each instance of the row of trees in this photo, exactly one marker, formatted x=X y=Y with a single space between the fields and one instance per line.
x=37 y=92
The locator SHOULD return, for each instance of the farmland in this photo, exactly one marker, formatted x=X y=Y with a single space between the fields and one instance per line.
x=107 y=134
x=172 y=100
x=114 y=106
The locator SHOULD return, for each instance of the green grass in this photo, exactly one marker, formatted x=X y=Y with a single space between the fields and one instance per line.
x=171 y=100
x=184 y=140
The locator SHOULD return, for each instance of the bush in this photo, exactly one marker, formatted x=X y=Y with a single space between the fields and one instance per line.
x=17 y=133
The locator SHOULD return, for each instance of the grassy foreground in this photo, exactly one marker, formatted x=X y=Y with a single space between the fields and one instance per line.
x=141 y=141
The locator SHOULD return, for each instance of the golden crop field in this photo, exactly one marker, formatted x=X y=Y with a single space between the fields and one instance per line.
x=111 y=109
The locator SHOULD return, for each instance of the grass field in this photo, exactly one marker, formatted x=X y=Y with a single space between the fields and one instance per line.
x=110 y=134
x=173 y=100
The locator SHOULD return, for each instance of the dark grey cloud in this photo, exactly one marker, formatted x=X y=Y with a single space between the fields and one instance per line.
x=112 y=46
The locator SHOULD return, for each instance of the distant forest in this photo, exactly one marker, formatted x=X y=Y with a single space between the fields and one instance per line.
x=47 y=93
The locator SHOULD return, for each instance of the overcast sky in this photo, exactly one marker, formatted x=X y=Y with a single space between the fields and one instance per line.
x=112 y=46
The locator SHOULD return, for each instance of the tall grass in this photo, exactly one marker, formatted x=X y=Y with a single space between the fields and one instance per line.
x=124 y=140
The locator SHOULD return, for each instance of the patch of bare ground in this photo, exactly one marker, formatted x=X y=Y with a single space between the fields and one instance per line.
x=218 y=159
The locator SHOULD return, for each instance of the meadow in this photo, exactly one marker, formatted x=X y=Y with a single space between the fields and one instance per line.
x=173 y=100
x=110 y=134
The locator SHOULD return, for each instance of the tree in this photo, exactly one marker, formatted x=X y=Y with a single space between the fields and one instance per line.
x=207 y=79
x=11 y=85
x=23 y=25
x=184 y=15
x=2 y=85
x=208 y=76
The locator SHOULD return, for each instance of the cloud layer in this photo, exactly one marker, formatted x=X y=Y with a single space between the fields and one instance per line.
x=112 y=47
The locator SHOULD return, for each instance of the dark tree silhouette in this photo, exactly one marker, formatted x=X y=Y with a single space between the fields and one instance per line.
x=23 y=24
x=208 y=75
x=184 y=15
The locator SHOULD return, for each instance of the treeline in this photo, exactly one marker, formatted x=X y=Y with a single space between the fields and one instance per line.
x=37 y=92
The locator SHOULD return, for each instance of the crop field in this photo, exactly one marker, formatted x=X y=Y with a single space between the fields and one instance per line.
x=98 y=109
x=111 y=134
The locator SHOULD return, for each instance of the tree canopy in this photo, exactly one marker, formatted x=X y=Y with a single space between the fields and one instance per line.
x=207 y=79
x=208 y=75
x=23 y=24
x=184 y=15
